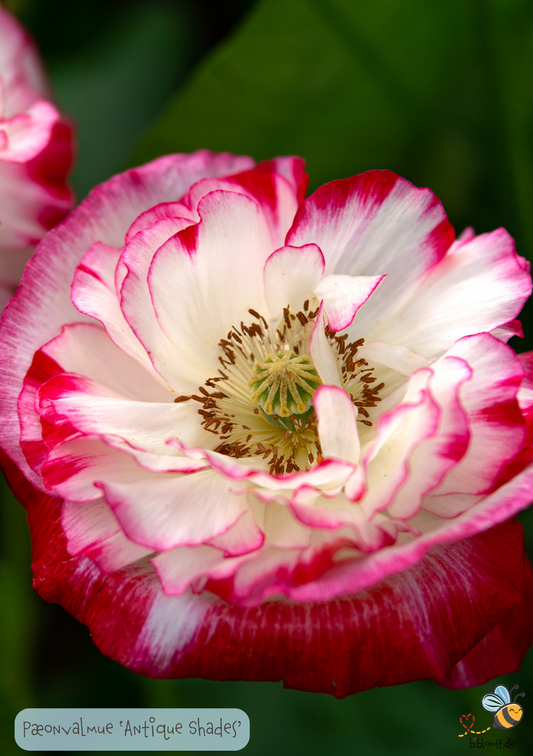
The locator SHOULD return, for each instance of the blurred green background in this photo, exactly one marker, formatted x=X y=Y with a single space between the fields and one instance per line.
x=442 y=93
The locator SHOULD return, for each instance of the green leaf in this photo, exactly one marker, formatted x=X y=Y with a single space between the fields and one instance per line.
x=115 y=83
x=418 y=87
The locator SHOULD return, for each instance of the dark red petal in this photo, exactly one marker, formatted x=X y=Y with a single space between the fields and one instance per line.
x=502 y=650
x=415 y=625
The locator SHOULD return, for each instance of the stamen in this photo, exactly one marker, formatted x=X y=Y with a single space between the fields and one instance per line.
x=261 y=402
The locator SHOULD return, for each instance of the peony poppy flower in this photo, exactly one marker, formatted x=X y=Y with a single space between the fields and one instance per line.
x=266 y=437
x=36 y=154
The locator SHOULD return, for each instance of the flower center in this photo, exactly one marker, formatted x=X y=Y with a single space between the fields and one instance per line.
x=261 y=403
x=284 y=384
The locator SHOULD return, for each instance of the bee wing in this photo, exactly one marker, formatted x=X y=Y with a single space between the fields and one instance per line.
x=504 y=694
x=492 y=702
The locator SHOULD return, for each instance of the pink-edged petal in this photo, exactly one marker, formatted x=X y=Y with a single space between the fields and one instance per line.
x=525 y=392
x=432 y=459
x=74 y=467
x=291 y=275
x=343 y=296
x=319 y=512
x=480 y=285
x=373 y=224
x=506 y=331
x=192 y=273
x=185 y=567
x=93 y=531
x=182 y=511
x=398 y=433
x=322 y=353
x=429 y=626
x=337 y=424
x=497 y=429
x=28 y=133
x=34 y=195
x=93 y=409
x=243 y=537
x=163 y=211
x=359 y=574
x=277 y=186
x=42 y=303
x=137 y=305
x=328 y=474
x=199 y=165
x=86 y=349
x=34 y=449
x=180 y=568
x=94 y=294
x=71 y=470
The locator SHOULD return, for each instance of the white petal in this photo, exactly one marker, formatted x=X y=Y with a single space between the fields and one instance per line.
x=343 y=296
x=175 y=511
x=478 y=286
x=93 y=530
x=204 y=280
x=291 y=275
x=337 y=424
x=399 y=358
x=322 y=353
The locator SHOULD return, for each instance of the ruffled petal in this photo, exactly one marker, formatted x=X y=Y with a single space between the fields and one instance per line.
x=86 y=350
x=309 y=646
x=137 y=306
x=496 y=425
x=42 y=303
x=398 y=433
x=432 y=459
x=191 y=274
x=373 y=224
x=182 y=511
x=93 y=409
x=94 y=294
x=93 y=531
x=278 y=186
x=480 y=285
x=28 y=133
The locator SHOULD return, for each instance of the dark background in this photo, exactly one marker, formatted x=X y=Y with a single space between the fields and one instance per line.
x=440 y=92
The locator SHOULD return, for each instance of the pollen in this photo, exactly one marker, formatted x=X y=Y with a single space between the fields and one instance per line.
x=261 y=403
x=284 y=384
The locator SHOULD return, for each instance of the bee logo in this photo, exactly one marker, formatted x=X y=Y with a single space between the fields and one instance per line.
x=506 y=714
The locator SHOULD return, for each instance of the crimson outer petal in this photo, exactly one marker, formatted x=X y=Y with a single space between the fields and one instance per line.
x=460 y=617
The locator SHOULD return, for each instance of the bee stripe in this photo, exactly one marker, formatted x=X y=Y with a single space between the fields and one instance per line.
x=505 y=719
x=508 y=718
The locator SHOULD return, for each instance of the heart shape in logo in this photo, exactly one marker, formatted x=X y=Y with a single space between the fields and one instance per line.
x=469 y=724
